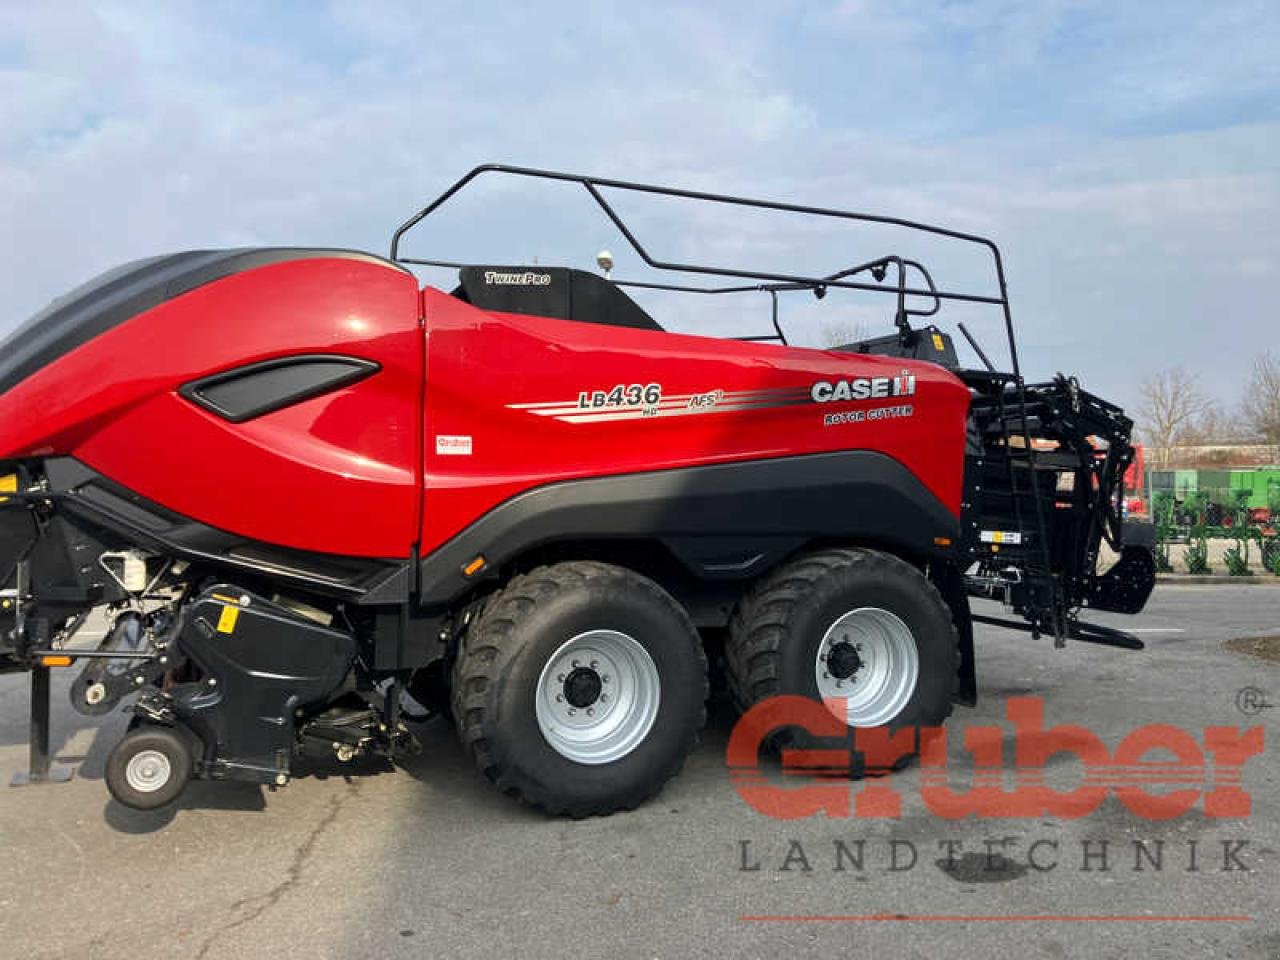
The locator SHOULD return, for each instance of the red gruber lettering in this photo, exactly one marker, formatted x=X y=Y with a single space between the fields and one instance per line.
x=1034 y=745
x=1230 y=748
x=787 y=803
x=1131 y=772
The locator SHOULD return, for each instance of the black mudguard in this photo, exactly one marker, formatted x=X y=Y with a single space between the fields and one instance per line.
x=727 y=521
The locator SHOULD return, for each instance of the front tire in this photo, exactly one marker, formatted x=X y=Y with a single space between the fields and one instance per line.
x=580 y=688
x=858 y=625
x=149 y=768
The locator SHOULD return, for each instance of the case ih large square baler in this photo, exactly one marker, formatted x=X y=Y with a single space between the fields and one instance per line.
x=316 y=499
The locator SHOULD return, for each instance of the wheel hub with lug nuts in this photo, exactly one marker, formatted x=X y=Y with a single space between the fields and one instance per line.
x=597 y=697
x=582 y=688
x=868 y=659
x=147 y=771
x=843 y=661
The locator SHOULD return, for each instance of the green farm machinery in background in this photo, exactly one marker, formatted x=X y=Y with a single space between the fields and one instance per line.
x=1193 y=507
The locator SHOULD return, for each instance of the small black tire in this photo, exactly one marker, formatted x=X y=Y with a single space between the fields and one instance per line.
x=506 y=673
x=777 y=632
x=150 y=767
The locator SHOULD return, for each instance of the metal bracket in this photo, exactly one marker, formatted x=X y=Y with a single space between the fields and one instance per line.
x=40 y=766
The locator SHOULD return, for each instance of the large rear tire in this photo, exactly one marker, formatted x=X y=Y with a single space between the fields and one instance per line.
x=858 y=625
x=580 y=688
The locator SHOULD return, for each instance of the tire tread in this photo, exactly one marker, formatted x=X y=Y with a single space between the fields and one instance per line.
x=490 y=639
x=759 y=625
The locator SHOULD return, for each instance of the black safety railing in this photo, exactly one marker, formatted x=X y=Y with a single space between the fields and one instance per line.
x=768 y=282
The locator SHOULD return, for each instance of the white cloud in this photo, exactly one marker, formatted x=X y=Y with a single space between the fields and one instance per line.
x=1123 y=161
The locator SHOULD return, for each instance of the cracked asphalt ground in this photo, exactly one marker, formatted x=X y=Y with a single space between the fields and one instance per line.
x=430 y=861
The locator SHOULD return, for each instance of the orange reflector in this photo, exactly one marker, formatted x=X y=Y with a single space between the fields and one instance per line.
x=52 y=661
x=942 y=541
x=475 y=566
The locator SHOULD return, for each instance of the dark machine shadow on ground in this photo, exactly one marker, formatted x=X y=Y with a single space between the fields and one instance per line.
x=231 y=795
x=199 y=795
x=442 y=764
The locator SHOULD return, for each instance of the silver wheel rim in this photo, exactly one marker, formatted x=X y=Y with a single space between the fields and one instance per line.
x=868 y=659
x=147 y=771
x=597 y=697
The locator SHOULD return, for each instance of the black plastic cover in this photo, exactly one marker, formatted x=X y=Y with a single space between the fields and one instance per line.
x=17 y=534
x=557 y=292
x=928 y=343
x=100 y=503
x=266 y=663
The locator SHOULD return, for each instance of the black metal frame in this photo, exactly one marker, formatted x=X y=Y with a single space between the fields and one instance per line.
x=775 y=283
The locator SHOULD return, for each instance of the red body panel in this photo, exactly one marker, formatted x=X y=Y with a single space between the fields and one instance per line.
x=480 y=365
x=339 y=473
x=368 y=470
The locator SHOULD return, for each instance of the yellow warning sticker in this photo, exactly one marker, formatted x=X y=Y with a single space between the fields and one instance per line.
x=227 y=622
x=937 y=343
x=8 y=484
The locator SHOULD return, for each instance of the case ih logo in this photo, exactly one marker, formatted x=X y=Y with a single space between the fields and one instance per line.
x=527 y=279
x=1209 y=768
x=864 y=388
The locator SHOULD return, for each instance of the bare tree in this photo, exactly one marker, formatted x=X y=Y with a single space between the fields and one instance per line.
x=1171 y=405
x=1213 y=425
x=1260 y=408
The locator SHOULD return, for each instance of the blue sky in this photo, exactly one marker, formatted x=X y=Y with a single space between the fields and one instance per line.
x=1125 y=155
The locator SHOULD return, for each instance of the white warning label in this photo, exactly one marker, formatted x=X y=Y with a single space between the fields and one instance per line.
x=1000 y=536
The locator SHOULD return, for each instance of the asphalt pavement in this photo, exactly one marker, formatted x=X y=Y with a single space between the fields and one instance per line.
x=430 y=861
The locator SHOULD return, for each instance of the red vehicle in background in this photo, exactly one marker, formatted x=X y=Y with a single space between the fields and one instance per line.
x=1135 y=484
